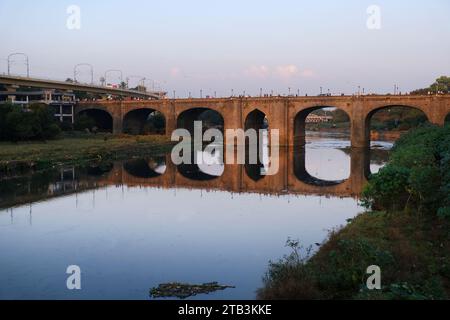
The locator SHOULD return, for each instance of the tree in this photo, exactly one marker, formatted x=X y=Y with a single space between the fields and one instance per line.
x=442 y=84
x=36 y=122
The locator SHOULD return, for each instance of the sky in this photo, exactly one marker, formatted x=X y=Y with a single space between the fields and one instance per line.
x=212 y=46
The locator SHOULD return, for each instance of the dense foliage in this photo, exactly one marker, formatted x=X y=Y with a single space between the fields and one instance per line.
x=408 y=237
x=37 y=122
x=441 y=85
x=417 y=176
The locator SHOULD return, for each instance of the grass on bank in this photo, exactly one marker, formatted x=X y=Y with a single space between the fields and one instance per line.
x=412 y=252
x=76 y=149
x=407 y=236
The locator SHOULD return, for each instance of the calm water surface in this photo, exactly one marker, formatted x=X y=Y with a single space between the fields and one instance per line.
x=128 y=237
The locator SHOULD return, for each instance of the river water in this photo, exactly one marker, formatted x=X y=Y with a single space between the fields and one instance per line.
x=132 y=226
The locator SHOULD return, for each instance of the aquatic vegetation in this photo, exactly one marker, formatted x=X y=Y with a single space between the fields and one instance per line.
x=184 y=290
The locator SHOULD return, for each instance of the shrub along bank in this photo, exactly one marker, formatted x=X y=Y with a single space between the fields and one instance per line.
x=407 y=234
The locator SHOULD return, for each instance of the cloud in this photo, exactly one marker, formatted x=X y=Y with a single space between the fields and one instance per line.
x=287 y=71
x=284 y=72
x=307 y=73
x=175 y=72
x=257 y=71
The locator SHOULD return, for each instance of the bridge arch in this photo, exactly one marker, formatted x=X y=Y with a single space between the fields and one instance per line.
x=144 y=121
x=100 y=118
x=210 y=119
x=420 y=113
x=300 y=120
x=258 y=121
x=313 y=162
x=447 y=119
x=384 y=124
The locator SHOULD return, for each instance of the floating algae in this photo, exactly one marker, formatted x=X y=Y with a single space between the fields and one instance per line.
x=184 y=290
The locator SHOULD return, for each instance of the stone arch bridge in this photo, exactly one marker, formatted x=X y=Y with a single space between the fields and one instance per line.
x=288 y=114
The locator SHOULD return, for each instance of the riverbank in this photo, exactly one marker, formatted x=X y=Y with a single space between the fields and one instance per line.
x=412 y=252
x=408 y=236
x=77 y=149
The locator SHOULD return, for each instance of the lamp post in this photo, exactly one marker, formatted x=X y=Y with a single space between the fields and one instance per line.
x=113 y=70
x=27 y=62
x=141 y=80
x=75 y=71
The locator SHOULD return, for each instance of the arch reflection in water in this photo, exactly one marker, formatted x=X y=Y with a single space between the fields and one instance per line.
x=146 y=168
x=325 y=159
x=257 y=171
x=210 y=167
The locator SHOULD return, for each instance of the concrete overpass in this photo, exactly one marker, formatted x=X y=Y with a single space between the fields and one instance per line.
x=63 y=85
x=288 y=114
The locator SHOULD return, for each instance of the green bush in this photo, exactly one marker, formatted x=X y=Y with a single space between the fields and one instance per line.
x=37 y=122
x=417 y=175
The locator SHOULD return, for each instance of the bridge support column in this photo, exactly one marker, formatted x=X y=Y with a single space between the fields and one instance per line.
x=171 y=119
x=437 y=111
x=359 y=168
x=360 y=126
x=117 y=124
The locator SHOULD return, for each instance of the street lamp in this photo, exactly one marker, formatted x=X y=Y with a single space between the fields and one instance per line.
x=113 y=70
x=141 y=80
x=75 y=71
x=27 y=62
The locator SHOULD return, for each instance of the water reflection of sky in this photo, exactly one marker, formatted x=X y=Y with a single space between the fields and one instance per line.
x=129 y=239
